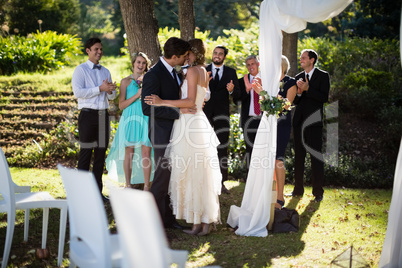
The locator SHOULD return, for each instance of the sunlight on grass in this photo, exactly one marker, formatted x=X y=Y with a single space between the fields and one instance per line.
x=232 y=184
x=201 y=257
x=345 y=217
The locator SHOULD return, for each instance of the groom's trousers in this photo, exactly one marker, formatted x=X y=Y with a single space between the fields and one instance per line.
x=160 y=185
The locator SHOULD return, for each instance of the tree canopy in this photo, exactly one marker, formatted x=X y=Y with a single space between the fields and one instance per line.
x=103 y=18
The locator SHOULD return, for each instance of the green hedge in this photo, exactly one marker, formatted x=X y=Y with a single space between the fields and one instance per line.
x=40 y=52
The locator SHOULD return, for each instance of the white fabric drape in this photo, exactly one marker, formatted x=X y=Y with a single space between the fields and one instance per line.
x=391 y=255
x=275 y=16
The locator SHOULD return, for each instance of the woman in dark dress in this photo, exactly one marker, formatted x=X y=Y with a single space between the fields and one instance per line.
x=287 y=89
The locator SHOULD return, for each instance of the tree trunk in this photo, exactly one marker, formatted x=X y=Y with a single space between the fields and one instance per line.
x=289 y=49
x=186 y=19
x=141 y=27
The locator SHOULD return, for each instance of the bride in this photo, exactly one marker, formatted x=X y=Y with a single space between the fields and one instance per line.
x=195 y=181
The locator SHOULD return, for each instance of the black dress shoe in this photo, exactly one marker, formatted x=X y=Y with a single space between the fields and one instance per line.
x=225 y=190
x=319 y=198
x=174 y=225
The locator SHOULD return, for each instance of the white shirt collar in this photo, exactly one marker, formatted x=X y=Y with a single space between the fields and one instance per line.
x=220 y=67
x=310 y=74
x=252 y=77
x=91 y=64
x=167 y=65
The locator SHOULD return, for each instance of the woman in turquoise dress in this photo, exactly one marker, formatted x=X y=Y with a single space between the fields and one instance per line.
x=129 y=158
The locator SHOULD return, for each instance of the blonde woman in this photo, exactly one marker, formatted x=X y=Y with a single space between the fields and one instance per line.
x=124 y=162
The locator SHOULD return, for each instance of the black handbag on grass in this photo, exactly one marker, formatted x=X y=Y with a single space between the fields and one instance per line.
x=285 y=221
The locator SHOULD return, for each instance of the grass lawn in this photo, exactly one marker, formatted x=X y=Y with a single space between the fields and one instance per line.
x=345 y=217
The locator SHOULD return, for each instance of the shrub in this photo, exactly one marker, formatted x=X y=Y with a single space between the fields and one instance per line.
x=40 y=52
x=349 y=172
x=390 y=118
x=365 y=92
x=236 y=148
x=60 y=144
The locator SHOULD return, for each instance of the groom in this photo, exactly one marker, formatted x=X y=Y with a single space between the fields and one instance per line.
x=163 y=81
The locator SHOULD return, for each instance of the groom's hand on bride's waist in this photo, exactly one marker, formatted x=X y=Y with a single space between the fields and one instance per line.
x=188 y=110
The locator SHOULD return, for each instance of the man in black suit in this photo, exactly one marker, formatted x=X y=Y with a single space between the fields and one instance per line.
x=313 y=89
x=224 y=83
x=163 y=81
x=250 y=116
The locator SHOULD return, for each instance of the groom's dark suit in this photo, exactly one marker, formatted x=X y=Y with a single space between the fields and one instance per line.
x=217 y=112
x=307 y=124
x=159 y=81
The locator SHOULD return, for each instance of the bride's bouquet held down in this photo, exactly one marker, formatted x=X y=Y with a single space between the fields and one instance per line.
x=274 y=105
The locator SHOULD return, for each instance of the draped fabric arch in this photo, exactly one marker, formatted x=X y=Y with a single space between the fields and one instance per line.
x=275 y=16
x=391 y=255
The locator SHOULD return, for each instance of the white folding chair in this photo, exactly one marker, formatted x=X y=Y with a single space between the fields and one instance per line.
x=19 y=197
x=141 y=234
x=91 y=244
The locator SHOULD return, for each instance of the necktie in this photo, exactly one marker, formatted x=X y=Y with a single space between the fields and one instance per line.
x=307 y=78
x=175 y=77
x=216 y=78
x=256 y=99
x=257 y=109
x=97 y=67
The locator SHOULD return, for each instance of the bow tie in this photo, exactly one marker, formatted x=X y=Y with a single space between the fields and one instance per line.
x=97 y=67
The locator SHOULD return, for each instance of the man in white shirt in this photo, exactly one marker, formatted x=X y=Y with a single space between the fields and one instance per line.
x=93 y=88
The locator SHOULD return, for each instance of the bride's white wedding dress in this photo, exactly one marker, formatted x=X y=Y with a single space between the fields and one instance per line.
x=195 y=180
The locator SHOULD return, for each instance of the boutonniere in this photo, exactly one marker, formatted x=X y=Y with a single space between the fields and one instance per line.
x=178 y=69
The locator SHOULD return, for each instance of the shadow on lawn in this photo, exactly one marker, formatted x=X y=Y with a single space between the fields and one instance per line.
x=291 y=244
x=24 y=252
x=223 y=247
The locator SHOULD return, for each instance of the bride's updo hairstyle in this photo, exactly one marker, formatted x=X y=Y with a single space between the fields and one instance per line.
x=198 y=48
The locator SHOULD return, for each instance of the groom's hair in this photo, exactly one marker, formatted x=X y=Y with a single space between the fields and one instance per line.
x=175 y=46
x=311 y=54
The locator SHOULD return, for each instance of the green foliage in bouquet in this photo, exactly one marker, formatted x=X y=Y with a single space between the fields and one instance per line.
x=273 y=105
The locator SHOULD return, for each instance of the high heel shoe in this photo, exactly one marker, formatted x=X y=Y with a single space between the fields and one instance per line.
x=195 y=230
x=206 y=229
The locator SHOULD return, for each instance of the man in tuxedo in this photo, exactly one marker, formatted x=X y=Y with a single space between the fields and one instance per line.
x=313 y=89
x=224 y=83
x=162 y=80
x=93 y=88
x=250 y=115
